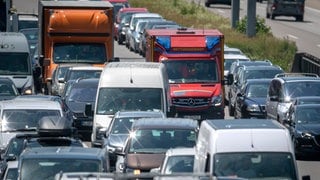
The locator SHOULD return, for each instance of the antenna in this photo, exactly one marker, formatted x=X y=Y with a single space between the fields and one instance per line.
x=131 y=80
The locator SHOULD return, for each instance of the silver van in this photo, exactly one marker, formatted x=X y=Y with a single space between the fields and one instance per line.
x=15 y=61
x=293 y=8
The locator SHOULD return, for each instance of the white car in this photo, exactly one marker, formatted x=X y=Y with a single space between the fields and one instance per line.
x=230 y=50
x=230 y=58
x=18 y=116
x=177 y=160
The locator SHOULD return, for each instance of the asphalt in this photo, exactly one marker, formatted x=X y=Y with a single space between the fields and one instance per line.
x=315 y=4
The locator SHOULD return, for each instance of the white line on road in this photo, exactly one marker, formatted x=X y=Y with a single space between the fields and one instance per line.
x=318 y=45
x=221 y=11
x=292 y=37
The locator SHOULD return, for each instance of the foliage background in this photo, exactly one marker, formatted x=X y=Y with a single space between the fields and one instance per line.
x=190 y=14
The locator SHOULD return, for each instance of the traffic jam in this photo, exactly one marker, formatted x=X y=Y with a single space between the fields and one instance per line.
x=195 y=107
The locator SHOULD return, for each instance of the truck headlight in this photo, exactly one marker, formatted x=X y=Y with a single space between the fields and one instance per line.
x=216 y=100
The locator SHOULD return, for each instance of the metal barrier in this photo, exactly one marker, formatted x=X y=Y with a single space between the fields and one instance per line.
x=306 y=63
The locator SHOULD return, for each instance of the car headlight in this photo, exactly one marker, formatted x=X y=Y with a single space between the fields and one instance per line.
x=305 y=135
x=253 y=108
x=216 y=100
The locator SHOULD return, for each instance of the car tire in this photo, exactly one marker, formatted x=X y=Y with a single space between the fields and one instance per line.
x=272 y=16
x=207 y=4
x=299 y=18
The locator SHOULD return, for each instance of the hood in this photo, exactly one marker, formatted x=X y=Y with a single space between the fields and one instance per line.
x=257 y=100
x=311 y=127
x=192 y=90
x=144 y=161
x=117 y=140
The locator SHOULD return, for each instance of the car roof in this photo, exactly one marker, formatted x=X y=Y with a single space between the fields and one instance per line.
x=18 y=104
x=307 y=106
x=62 y=152
x=133 y=9
x=75 y=68
x=235 y=56
x=123 y=114
x=180 y=151
x=245 y=124
x=262 y=67
x=146 y=15
x=262 y=80
x=37 y=97
x=169 y=123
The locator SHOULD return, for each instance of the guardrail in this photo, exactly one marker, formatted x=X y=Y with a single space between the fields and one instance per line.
x=306 y=63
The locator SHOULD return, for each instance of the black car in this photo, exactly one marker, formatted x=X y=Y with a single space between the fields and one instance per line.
x=304 y=125
x=82 y=91
x=251 y=99
x=209 y=2
x=249 y=72
x=8 y=90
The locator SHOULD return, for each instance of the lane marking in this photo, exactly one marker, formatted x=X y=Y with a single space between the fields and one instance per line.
x=292 y=36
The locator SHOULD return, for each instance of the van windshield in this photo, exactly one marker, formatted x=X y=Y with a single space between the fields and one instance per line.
x=187 y=71
x=255 y=165
x=15 y=64
x=111 y=100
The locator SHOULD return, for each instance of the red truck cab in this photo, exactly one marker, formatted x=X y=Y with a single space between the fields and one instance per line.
x=194 y=62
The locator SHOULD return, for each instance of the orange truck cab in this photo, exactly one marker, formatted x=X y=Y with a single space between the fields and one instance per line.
x=194 y=62
x=73 y=32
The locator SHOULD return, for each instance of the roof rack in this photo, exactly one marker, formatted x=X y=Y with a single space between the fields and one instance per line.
x=296 y=75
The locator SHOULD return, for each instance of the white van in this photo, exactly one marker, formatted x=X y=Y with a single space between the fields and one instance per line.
x=245 y=148
x=15 y=61
x=137 y=86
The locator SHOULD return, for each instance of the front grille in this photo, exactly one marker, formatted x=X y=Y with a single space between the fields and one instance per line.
x=191 y=102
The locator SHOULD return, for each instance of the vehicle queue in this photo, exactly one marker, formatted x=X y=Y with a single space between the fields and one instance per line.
x=45 y=130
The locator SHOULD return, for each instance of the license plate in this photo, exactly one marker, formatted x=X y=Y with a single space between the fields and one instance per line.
x=86 y=123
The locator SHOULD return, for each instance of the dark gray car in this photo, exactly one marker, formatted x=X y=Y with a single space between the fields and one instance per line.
x=293 y=8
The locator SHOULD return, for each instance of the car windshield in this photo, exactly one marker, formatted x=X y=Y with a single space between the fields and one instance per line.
x=47 y=168
x=187 y=71
x=179 y=164
x=82 y=94
x=254 y=165
x=257 y=90
x=15 y=146
x=19 y=119
x=302 y=88
x=111 y=100
x=308 y=115
x=122 y=125
x=15 y=64
x=76 y=74
x=255 y=74
x=160 y=140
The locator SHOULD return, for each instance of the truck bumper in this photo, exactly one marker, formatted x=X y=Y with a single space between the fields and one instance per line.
x=211 y=112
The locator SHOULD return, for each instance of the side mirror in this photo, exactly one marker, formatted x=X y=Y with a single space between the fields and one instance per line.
x=88 y=110
x=274 y=98
x=230 y=79
x=155 y=170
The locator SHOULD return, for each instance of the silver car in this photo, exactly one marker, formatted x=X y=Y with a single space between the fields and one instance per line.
x=293 y=8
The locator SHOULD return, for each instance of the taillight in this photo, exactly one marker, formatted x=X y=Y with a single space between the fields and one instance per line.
x=274 y=6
